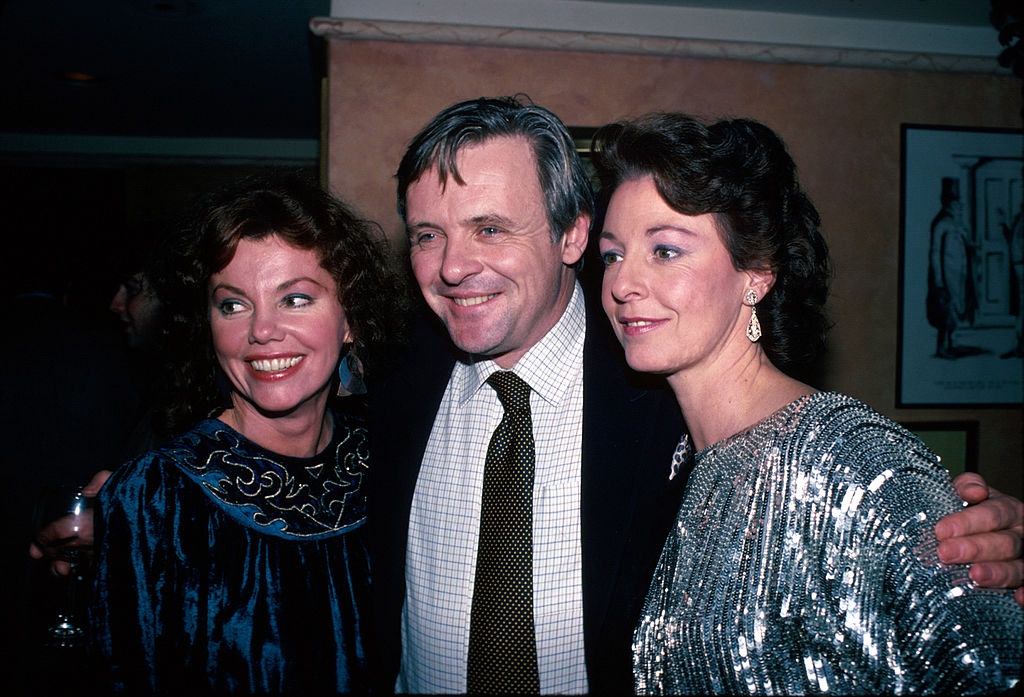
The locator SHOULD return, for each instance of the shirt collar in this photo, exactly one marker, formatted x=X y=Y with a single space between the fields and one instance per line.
x=550 y=367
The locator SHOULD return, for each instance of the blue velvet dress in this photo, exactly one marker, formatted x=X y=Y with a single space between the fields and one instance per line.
x=223 y=567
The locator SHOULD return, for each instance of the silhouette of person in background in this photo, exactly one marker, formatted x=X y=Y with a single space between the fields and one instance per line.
x=68 y=407
x=139 y=304
x=949 y=270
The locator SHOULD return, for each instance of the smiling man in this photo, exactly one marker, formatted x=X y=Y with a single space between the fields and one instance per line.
x=483 y=252
x=498 y=206
x=533 y=585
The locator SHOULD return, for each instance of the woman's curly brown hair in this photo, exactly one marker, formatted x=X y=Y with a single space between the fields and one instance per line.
x=739 y=171
x=294 y=208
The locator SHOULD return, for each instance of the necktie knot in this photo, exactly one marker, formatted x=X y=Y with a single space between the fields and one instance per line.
x=512 y=390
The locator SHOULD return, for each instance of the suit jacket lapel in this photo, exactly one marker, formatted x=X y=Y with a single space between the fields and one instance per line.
x=608 y=472
x=630 y=426
x=402 y=407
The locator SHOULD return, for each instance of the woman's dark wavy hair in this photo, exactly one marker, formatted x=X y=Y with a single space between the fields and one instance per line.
x=739 y=171
x=294 y=208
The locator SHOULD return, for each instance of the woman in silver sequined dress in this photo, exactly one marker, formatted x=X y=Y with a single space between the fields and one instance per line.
x=803 y=556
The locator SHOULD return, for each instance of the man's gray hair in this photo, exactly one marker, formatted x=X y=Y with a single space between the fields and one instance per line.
x=560 y=170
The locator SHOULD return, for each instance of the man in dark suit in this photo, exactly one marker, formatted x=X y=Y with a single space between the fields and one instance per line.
x=497 y=208
x=497 y=263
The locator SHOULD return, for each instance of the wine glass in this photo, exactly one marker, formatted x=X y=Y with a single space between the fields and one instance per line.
x=60 y=509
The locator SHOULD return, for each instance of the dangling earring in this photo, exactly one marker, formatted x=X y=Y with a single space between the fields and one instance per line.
x=350 y=374
x=753 y=327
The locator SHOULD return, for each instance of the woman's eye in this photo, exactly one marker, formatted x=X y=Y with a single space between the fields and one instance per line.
x=665 y=252
x=229 y=307
x=609 y=258
x=297 y=300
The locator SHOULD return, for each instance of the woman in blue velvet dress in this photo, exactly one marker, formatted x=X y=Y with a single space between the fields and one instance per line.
x=233 y=559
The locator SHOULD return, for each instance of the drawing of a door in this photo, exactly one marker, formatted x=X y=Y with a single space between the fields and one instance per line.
x=995 y=200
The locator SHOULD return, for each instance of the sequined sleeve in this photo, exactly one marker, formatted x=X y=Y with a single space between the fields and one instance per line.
x=917 y=625
x=803 y=560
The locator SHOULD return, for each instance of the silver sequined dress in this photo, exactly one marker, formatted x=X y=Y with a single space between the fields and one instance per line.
x=803 y=561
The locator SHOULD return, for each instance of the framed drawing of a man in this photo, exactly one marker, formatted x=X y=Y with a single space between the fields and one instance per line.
x=961 y=267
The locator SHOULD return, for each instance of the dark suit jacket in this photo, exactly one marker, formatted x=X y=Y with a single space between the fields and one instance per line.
x=628 y=504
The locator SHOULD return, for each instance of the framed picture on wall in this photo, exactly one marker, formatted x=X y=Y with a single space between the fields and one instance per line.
x=956 y=442
x=961 y=282
x=583 y=136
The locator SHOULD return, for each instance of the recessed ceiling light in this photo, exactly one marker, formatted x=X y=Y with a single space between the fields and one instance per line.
x=167 y=9
x=78 y=77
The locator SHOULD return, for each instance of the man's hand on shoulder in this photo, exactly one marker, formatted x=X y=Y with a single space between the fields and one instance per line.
x=987 y=535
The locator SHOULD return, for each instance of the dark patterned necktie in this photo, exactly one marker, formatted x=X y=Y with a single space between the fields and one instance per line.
x=502 y=642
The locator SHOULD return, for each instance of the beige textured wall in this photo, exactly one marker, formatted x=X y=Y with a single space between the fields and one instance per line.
x=842 y=126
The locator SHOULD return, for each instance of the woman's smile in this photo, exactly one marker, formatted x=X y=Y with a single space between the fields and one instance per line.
x=275 y=368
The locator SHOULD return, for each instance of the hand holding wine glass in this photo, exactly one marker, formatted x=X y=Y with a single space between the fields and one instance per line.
x=62 y=531
x=67 y=508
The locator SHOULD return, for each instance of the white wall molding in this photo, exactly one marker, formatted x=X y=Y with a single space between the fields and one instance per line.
x=580 y=25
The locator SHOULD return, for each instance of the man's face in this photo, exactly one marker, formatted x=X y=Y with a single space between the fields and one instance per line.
x=482 y=252
x=137 y=306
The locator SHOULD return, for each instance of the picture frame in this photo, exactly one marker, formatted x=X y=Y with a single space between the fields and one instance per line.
x=582 y=138
x=955 y=442
x=960 y=282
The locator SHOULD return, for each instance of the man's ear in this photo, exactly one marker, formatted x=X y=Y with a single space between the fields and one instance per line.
x=574 y=241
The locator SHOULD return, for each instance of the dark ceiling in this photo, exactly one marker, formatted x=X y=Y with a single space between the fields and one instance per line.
x=195 y=68
x=949 y=12
x=239 y=68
